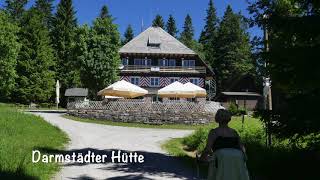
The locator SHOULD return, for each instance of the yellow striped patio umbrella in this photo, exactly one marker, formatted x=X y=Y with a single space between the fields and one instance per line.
x=123 y=89
x=199 y=92
x=176 y=90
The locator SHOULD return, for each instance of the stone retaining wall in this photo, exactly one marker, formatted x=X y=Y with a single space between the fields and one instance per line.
x=152 y=117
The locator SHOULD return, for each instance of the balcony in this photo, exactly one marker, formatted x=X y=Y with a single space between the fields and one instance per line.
x=162 y=69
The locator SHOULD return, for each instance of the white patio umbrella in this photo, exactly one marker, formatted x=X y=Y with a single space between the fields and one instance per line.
x=176 y=90
x=123 y=89
x=199 y=92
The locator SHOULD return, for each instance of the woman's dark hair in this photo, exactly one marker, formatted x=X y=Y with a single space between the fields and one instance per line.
x=223 y=116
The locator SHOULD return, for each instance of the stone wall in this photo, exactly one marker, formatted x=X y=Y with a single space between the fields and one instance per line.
x=151 y=117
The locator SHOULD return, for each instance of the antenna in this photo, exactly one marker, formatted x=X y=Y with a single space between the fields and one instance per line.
x=142 y=26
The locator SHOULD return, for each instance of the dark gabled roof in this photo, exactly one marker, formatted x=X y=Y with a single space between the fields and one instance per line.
x=241 y=94
x=167 y=44
x=76 y=92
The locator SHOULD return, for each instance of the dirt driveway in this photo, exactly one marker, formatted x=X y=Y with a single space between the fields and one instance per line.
x=103 y=139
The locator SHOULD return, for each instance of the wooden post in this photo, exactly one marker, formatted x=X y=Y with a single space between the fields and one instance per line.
x=268 y=97
x=242 y=120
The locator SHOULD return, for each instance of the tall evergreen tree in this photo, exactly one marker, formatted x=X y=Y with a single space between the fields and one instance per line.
x=63 y=34
x=35 y=82
x=233 y=51
x=186 y=36
x=128 y=34
x=104 y=13
x=293 y=64
x=158 y=21
x=98 y=53
x=9 y=49
x=45 y=7
x=209 y=33
x=171 y=26
x=15 y=8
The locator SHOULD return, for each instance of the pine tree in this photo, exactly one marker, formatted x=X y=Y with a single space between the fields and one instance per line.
x=45 y=7
x=104 y=13
x=35 y=82
x=187 y=34
x=15 y=8
x=9 y=49
x=171 y=26
x=209 y=33
x=63 y=34
x=233 y=50
x=158 y=21
x=128 y=35
x=98 y=53
x=210 y=28
x=293 y=65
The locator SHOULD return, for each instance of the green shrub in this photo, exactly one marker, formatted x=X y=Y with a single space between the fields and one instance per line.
x=310 y=142
x=233 y=108
x=47 y=105
x=195 y=140
x=235 y=111
x=250 y=131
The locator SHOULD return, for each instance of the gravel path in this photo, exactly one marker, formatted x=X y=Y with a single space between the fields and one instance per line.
x=102 y=139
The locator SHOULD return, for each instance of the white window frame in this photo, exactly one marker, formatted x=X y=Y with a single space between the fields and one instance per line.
x=172 y=78
x=135 y=77
x=154 y=85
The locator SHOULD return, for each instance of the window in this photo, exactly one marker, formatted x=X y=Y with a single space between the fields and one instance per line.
x=167 y=62
x=174 y=79
x=188 y=63
x=125 y=61
x=194 y=81
x=163 y=62
x=135 y=80
x=172 y=62
x=147 y=62
x=154 y=42
x=138 y=61
x=153 y=45
x=142 y=62
x=154 y=81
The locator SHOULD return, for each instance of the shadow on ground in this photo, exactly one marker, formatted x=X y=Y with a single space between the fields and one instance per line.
x=157 y=164
x=19 y=174
x=279 y=163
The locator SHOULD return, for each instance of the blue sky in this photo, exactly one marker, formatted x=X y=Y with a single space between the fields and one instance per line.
x=135 y=11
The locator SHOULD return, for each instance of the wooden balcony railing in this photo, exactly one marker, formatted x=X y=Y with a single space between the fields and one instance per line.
x=164 y=69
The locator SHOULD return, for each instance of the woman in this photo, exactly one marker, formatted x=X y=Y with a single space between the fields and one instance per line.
x=228 y=160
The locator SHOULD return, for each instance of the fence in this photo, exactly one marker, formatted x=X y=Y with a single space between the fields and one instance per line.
x=128 y=110
x=141 y=105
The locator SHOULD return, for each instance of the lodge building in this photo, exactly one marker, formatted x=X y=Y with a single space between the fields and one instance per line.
x=155 y=59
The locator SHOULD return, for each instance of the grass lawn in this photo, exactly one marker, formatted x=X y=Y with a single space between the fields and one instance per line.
x=141 y=125
x=21 y=133
x=283 y=161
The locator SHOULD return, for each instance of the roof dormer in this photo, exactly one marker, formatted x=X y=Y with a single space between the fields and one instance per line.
x=154 y=41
